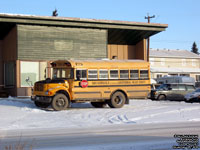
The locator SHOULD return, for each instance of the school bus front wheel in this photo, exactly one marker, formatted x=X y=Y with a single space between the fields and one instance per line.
x=60 y=102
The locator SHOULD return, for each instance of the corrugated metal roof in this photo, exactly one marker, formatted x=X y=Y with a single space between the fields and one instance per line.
x=172 y=53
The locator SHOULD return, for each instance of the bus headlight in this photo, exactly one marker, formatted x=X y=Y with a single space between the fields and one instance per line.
x=66 y=84
x=48 y=92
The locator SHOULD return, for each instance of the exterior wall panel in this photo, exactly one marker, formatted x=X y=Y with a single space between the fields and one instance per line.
x=140 y=50
x=9 y=56
x=121 y=51
x=53 y=43
x=1 y=64
x=10 y=46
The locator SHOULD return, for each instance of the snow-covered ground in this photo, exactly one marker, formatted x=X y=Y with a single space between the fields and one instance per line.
x=23 y=114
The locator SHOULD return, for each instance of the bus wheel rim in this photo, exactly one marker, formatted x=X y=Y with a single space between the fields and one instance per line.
x=118 y=100
x=60 y=102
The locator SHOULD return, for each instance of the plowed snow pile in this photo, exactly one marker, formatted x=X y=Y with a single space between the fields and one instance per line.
x=23 y=114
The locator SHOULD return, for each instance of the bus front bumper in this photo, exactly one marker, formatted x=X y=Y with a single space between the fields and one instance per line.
x=44 y=99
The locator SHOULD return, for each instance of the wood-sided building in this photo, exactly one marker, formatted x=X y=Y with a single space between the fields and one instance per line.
x=29 y=43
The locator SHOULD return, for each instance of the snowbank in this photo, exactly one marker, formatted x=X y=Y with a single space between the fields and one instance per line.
x=23 y=114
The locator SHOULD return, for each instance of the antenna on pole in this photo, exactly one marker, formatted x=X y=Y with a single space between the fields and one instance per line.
x=55 y=13
x=148 y=40
x=149 y=17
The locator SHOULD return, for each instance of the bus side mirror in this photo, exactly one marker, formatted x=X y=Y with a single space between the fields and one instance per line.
x=78 y=75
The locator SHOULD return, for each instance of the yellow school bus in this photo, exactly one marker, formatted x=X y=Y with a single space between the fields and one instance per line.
x=100 y=82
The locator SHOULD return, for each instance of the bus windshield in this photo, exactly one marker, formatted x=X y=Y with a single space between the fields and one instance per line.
x=63 y=73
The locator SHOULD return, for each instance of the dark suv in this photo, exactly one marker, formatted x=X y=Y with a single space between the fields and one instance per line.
x=171 y=91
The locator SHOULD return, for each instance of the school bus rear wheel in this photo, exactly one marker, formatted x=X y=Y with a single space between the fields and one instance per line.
x=60 y=102
x=117 y=100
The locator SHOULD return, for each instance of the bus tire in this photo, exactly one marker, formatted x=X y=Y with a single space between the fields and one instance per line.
x=98 y=104
x=117 y=100
x=60 y=102
x=41 y=104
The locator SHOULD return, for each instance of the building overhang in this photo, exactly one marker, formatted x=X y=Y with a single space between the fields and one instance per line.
x=119 y=32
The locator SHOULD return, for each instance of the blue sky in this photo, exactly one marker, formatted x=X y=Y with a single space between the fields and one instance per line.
x=182 y=16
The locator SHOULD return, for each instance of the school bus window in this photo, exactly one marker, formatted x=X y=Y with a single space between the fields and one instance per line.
x=92 y=74
x=144 y=74
x=134 y=74
x=123 y=74
x=63 y=73
x=81 y=74
x=69 y=73
x=114 y=74
x=103 y=74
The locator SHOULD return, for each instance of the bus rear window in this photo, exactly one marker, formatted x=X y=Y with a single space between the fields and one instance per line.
x=144 y=74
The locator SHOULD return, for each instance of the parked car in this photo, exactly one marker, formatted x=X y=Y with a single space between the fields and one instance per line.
x=171 y=91
x=153 y=87
x=193 y=96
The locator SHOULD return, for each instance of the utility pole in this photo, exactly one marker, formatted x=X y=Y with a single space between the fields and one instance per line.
x=148 y=40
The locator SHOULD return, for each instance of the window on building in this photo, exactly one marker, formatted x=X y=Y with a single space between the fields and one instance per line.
x=162 y=61
x=193 y=62
x=158 y=76
x=186 y=75
x=144 y=74
x=103 y=74
x=134 y=74
x=29 y=76
x=198 y=78
x=173 y=74
x=124 y=74
x=81 y=74
x=183 y=62
x=113 y=74
x=151 y=61
x=92 y=74
x=9 y=74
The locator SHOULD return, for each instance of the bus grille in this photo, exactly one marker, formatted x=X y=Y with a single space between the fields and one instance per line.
x=39 y=87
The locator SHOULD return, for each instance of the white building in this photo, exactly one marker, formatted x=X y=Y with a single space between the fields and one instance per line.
x=174 y=62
